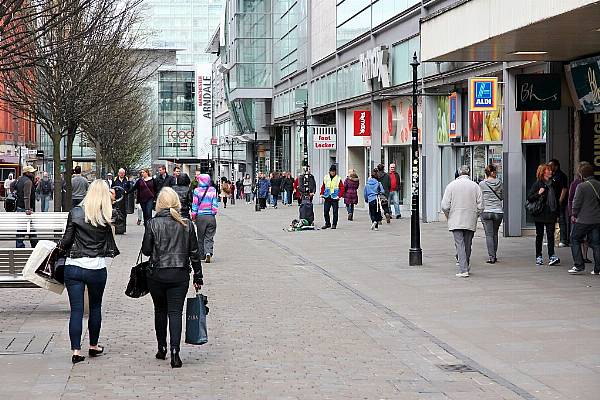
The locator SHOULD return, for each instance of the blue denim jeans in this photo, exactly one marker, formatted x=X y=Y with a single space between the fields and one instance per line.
x=45 y=202
x=76 y=279
x=578 y=234
x=147 y=208
x=395 y=202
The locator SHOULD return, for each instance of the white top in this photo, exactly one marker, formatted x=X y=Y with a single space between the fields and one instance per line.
x=87 y=262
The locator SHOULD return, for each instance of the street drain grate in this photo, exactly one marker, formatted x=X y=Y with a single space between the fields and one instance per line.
x=24 y=343
x=460 y=368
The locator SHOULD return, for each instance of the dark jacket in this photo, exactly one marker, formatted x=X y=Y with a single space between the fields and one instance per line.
x=25 y=192
x=125 y=184
x=586 y=203
x=351 y=185
x=287 y=184
x=548 y=216
x=162 y=181
x=182 y=180
x=171 y=245
x=276 y=186
x=312 y=184
x=82 y=239
x=384 y=178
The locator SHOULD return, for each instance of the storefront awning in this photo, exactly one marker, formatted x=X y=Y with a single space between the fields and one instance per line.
x=512 y=30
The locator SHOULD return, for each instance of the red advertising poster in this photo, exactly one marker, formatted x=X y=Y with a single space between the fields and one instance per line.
x=362 y=123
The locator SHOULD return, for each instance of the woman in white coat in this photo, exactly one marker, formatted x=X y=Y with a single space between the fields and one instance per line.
x=463 y=203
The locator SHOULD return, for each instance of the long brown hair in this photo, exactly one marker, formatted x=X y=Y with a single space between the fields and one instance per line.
x=541 y=170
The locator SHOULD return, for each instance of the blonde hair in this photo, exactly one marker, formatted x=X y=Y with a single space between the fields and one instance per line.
x=168 y=199
x=97 y=204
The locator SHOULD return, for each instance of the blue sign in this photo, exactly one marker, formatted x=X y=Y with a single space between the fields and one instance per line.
x=483 y=94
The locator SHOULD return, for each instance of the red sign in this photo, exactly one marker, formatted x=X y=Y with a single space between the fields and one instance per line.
x=362 y=123
x=214 y=141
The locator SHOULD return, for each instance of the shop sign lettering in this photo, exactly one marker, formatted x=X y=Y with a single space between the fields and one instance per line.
x=324 y=141
x=362 y=123
x=374 y=64
x=482 y=94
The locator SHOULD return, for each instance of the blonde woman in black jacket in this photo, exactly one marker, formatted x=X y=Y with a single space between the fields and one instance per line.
x=88 y=242
x=171 y=243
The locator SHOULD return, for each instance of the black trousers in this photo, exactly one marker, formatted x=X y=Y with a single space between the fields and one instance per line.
x=539 y=237
x=168 y=301
x=263 y=202
x=331 y=204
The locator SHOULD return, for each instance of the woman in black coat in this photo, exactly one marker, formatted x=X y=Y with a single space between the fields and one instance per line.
x=276 y=182
x=545 y=188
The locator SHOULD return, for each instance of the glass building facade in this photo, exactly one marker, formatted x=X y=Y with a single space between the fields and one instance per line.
x=289 y=37
x=250 y=48
x=357 y=17
x=185 y=25
x=176 y=114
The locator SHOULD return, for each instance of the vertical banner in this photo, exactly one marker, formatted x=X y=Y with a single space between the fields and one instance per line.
x=453 y=116
x=204 y=109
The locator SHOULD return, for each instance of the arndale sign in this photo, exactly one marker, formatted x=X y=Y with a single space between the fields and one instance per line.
x=482 y=94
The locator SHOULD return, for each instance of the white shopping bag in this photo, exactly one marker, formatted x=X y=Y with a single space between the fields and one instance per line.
x=36 y=259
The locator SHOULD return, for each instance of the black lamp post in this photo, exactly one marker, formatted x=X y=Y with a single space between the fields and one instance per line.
x=232 y=174
x=256 y=172
x=415 y=254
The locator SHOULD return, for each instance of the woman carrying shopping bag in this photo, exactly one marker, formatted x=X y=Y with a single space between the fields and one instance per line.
x=171 y=243
x=88 y=241
x=372 y=192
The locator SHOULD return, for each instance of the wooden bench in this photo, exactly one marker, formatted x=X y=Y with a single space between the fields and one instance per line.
x=13 y=226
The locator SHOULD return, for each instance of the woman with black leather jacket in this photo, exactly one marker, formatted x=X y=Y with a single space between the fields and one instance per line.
x=88 y=242
x=544 y=190
x=171 y=243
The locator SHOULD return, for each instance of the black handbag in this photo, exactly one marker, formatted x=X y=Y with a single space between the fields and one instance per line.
x=536 y=207
x=54 y=266
x=138 y=282
x=10 y=203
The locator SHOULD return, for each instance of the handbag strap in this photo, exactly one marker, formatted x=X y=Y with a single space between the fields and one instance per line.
x=493 y=191
x=594 y=189
x=139 y=259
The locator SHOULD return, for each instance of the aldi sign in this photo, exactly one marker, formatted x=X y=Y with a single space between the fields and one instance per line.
x=482 y=94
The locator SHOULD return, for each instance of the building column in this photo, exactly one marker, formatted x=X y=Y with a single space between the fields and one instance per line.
x=340 y=129
x=376 y=110
x=431 y=182
x=512 y=159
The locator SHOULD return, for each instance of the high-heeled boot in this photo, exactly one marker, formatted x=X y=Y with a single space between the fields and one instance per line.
x=161 y=354
x=175 y=360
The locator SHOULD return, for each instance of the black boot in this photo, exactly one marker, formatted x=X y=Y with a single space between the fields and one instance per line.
x=175 y=360
x=161 y=354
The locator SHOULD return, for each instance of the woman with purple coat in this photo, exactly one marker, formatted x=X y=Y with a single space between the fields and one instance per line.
x=351 y=192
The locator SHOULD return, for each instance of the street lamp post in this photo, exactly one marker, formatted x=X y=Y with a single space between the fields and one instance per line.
x=256 y=203
x=415 y=254
x=232 y=175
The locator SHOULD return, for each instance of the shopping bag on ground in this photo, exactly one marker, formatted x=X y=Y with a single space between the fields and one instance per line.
x=38 y=259
x=195 y=320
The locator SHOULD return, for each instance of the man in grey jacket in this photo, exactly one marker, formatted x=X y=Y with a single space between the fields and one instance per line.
x=586 y=220
x=463 y=203
x=80 y=187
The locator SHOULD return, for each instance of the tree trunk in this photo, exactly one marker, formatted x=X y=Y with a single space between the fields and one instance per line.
x=71 y=131
x=56 y=137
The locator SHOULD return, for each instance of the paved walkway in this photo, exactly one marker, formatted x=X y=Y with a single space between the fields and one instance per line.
x=327 y=315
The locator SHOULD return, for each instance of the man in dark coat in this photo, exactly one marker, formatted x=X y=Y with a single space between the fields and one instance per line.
x=25 y=193
x=384 y=178
x=163 y=179
x=121 y=183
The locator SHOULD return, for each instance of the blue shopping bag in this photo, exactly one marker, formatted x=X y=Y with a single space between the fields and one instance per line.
x=195 y=320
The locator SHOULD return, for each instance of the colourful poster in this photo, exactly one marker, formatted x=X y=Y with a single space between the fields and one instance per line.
x=534 y=125
x=443 y=119
x=486 y=126
x=398 y=121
